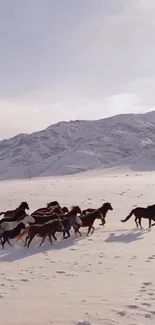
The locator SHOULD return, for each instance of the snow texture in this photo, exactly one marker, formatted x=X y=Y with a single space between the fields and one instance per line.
x=77 y=146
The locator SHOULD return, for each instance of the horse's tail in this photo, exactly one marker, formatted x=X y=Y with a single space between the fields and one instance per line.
x=2 y=213
x=22 y=235
x=129 y=216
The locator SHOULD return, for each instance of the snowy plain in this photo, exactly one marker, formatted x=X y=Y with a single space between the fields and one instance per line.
x=104 y=279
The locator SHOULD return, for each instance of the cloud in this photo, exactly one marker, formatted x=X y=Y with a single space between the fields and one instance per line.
x=64 y=60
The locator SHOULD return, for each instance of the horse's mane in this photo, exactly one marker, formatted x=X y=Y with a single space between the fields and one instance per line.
x=52 y=203
x=150 y=206
x=74 y=207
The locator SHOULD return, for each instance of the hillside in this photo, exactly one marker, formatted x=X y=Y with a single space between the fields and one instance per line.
x=70 y=147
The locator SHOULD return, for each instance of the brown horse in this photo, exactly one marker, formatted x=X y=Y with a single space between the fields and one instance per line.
x=89 y=210
x=48 y=212
x=44 y=210
x=74 y=211
x=11 y=234
x=39 y=219
x=88 y=219
x=42 y=231
x=65 y=210
x=140 y=212
x=11 y=213
x=56 y=209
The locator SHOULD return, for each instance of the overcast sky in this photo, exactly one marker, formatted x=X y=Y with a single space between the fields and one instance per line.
x=74 y=59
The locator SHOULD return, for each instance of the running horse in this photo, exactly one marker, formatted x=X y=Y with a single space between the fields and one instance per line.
x=12 y=213
x=89 y=219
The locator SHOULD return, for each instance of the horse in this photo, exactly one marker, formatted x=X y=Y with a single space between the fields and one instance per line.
x=45 y=218
x=11 y=234
x=68 y=223
x=89 y=210
x=74 y=211
x=9 y=225
x=104 y=209
x=140 y=212
x=89 y=219
x=11 y=213
x=42 y=231
x=53 y=204
x=50 y=207
x=18 y=216
x=65 y=210
x=56 y=210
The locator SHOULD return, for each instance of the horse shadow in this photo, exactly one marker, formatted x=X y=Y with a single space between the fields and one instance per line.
x=18 y=252
x=126 y=237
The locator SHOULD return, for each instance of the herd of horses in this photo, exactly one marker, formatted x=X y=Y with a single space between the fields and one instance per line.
x=47 y=221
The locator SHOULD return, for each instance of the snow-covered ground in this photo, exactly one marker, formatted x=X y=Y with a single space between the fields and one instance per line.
x=107 y=278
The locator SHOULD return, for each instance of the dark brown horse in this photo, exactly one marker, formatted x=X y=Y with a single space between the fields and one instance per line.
x=88 y=219
x=11 y=213
x=65 y=210
x=40 y=220
x=48 y=212
x=42 y=231
x=11 y=234
x=46 y=218
x=53 y=210
x=140 y=212
x=48 y=209
x=89 y=210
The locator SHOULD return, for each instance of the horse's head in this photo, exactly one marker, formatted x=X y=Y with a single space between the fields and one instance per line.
x=52 y=204
x=24 y=205
x=28 y=219
x=107 y=206
x=65 y=210
x=76 y=209
x=57 y=210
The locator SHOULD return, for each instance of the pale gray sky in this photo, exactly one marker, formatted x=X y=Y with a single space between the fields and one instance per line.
x=74 y=59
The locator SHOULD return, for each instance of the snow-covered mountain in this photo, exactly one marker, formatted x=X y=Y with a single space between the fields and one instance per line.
x=70 y=147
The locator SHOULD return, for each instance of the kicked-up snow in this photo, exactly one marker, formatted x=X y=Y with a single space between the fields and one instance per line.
x=104 y=279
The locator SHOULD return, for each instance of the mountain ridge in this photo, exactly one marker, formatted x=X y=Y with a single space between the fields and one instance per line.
x=81 y=145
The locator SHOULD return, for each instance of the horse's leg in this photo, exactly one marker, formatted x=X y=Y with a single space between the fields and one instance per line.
x=89 y=229
x=64 y=231
x=140 y=222
x=3 y=242
x=68 y=233
x=136 y=221
x=76 y=229
x=93 y=229
x=53 y=234
x=30 y=239
x=25 y=242
x=150 y=222
x=50 y=239
x=8 y=241
x=103 y=222
x=43 y=239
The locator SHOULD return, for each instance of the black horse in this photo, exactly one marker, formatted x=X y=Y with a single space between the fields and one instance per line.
x=11 y=234
x=13 y=214
x=140 y=212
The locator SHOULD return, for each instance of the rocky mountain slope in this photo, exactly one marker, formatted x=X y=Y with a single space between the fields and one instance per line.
x=70 y=147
